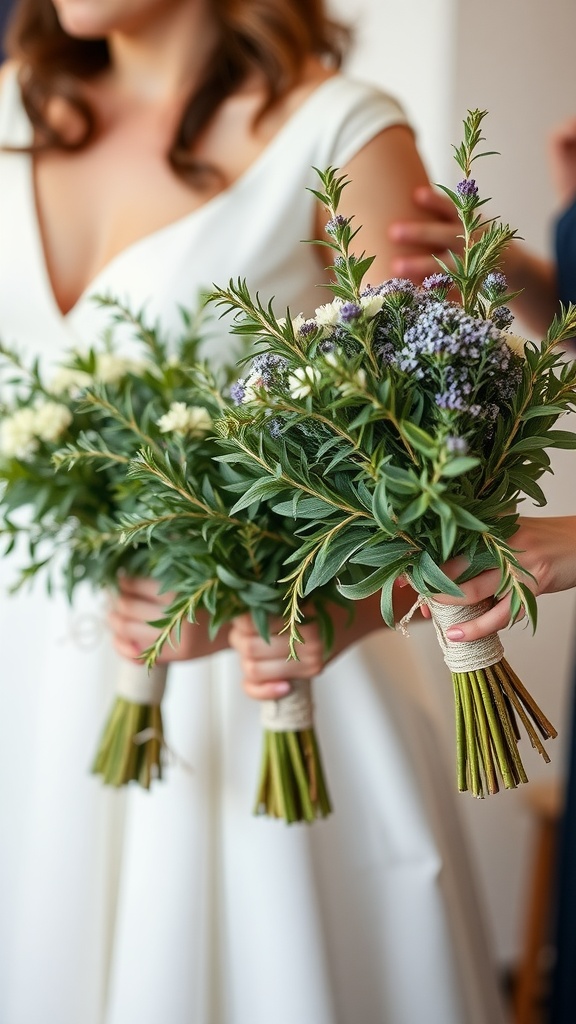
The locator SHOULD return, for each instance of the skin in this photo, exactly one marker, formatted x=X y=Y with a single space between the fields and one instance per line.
x=547 y=550
x=267 y=669
x=158 y=49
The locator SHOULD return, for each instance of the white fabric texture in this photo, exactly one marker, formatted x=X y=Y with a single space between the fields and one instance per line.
x=178 y=905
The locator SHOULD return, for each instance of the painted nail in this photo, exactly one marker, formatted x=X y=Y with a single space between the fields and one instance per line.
x=281 y=689
x=454 y=633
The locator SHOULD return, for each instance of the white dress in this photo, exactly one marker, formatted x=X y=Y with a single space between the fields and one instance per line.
x=178 y=905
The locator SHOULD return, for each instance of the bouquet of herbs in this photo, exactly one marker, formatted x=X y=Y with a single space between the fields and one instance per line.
x=400 y=426
x=65 y=524
x=209 y=559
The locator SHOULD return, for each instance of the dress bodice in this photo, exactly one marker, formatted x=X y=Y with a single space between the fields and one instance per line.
x=253 y=229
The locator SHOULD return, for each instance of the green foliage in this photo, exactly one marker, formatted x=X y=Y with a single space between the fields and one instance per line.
x=67 y=437
x=380 y=478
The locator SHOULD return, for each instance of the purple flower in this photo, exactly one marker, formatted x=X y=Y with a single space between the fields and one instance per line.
x=495 y=283
x=238 y=391
x=327 y=344
x=269 y=367
x=467 y=188
x=395 y=286
x=308 y=327
x=502 y=317
x=437 y=282
x=462 y=361
x=336 y=224
x=350 y=311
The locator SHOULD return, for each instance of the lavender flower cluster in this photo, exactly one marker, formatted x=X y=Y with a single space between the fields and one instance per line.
x=464 y=361
x=268 y=371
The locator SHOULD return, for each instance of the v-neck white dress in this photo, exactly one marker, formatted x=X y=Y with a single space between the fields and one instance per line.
x=178 y=905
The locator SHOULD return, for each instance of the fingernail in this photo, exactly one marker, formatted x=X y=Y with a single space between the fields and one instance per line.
x=396 y=232
x=454 y=633
x=281 y=689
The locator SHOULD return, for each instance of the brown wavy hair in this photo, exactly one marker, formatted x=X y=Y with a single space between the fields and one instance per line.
x=273 y=36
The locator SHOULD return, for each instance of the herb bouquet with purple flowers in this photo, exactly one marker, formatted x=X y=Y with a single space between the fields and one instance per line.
x=399 y=428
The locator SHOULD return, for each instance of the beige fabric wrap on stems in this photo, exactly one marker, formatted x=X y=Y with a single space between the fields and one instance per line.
x=139 y=685
x=459 y=655
x=292 y=713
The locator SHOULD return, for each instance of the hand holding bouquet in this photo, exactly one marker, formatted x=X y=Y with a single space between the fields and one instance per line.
x=68 y=519
x=206 y=557
x=399 y=428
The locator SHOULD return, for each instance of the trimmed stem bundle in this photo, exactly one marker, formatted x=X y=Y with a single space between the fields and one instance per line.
x=489 y=698
x=132 y=742
x=291 y=784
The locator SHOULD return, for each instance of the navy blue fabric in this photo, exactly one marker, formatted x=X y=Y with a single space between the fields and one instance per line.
x=5 y=6
x=566 y=262
x=563 y=1005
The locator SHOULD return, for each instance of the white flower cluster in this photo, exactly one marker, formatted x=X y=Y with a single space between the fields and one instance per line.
x=252 y=384
x=187 y=420
x=328 y=315
x=302 y=381
x=371 y=304
x=21 y=432
x=353 y=383
x=67 y=381
x=110 y=369
x=515 y=343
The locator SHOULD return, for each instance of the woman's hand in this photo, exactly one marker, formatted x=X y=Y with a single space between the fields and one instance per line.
x=437 y=235
x=546 y=549
x=267 y=667
x=266 y=670
x=136 y=605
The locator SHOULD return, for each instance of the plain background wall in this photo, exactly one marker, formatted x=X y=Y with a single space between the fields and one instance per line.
x=514 y=58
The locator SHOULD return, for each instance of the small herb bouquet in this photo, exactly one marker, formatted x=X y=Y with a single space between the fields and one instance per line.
x=207 y=558
x=399 y=427
x=68 y=520
x=227 y=564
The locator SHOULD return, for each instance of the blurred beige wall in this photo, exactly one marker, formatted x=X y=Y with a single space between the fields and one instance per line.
x=516 y=59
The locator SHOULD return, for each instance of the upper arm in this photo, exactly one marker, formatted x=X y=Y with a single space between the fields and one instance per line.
x=383 y=176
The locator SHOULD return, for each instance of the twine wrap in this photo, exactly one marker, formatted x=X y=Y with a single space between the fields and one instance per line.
x=140 y=686
x=459 y=655
x=292 y=713
x=467 y=655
